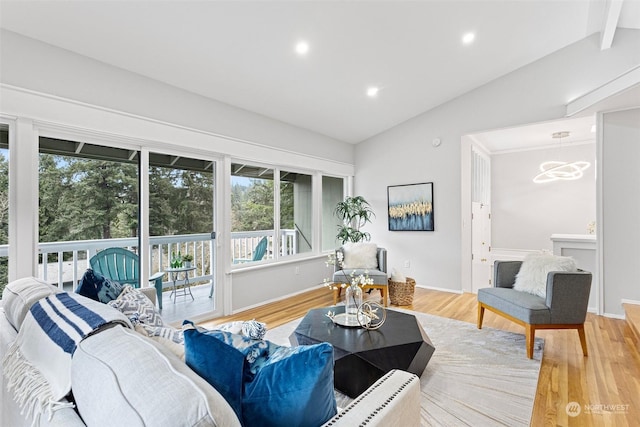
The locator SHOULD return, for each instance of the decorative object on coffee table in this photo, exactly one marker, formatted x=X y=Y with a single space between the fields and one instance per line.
x=370 y=315
x=363 y=356
x=352 y=299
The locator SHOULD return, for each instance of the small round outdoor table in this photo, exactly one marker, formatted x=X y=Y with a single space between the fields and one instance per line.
x=174 y=273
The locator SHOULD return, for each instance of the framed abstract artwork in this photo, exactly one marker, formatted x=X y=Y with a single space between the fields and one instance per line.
x=410 y=207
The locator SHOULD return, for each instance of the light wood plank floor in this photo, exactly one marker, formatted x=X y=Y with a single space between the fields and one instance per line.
x=610 y=375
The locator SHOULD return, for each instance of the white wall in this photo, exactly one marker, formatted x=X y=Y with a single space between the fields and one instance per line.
x=403 y=155
x=254 y=287
x=58 y=93
x=621 y=208
x=31 y=64
x=524 y=214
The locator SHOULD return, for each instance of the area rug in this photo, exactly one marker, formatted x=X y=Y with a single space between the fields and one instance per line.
x=474 y=378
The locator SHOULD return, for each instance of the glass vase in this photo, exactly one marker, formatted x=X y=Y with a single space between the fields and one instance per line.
x=353 y=300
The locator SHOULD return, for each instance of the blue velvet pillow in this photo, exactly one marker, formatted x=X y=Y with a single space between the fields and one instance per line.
x=97 y=287
x=265 y=384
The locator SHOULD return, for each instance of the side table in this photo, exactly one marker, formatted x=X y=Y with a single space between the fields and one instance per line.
x=173 y=274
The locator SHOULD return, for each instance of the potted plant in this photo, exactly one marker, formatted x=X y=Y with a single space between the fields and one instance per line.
x=187 y=259
x=354 y=212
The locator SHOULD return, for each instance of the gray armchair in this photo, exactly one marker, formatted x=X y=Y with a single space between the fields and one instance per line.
x=379 y=275
x=565 y=305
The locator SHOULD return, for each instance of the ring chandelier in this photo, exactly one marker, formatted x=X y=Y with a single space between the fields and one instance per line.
x=557 y=170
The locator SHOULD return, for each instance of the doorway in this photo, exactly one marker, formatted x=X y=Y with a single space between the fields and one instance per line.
x=518 y=216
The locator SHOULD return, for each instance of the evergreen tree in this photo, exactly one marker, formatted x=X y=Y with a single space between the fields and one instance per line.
x=256 y=213
x=102 y=195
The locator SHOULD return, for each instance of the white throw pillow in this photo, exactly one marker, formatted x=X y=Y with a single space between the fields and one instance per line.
x=21 y=294
x=532 y=277
x=360 y=255
x=398 y=277
x=148 y=385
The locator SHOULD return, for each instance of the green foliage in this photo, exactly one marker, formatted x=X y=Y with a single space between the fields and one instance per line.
x=252 y=206
x=93 y=199
x=354 y=212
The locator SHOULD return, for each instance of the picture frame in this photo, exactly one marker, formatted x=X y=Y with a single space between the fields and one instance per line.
x=410 y=207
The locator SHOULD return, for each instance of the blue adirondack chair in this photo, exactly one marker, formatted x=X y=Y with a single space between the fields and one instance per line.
x=258 y=252
x=123 y=266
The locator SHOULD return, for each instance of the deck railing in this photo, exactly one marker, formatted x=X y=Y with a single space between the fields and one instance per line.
x=243 y=243
x=71 y=257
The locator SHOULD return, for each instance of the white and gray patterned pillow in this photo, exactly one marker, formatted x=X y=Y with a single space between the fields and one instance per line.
x=137 y=307
x=167 y=332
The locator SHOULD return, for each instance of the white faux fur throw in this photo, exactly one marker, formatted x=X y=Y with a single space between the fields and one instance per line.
x=38 y=364
x=532 y=277
x=360 y=255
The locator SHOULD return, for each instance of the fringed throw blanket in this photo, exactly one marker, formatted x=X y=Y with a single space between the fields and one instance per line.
x=38 y=364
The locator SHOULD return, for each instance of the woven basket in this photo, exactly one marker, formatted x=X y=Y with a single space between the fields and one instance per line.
x=401 y=293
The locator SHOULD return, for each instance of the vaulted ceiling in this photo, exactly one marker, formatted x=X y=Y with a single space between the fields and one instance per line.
x=243 y=53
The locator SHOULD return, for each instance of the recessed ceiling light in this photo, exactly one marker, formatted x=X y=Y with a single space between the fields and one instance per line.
x=373 y=91
x=468 y=38
x=302 y=48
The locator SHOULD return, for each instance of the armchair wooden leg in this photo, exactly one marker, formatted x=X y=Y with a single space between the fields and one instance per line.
x=480 y=315
x=336 y=295
x=383 y=292
x=583 y=339
x=530 y=333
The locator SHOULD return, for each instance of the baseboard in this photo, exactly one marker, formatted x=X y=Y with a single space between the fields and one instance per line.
x=632 y=315
x=614 y=316
x=630 y=301
x=433 y=288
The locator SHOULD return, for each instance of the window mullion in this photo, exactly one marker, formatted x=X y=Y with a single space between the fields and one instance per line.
x=276 y=214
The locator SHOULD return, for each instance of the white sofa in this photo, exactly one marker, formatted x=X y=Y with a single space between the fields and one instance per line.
x=120 y=377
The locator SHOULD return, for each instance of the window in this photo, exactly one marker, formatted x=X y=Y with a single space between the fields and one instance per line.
x=252 y=212
x=332 y=193
x=88 y=194
x=181 y=213
x=295 y=213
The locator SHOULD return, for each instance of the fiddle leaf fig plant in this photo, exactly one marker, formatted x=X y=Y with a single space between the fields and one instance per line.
x=354 y=212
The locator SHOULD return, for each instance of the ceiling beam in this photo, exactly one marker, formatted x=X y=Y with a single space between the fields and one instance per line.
x=613 y=87
x=610 y=23
x=79 y=147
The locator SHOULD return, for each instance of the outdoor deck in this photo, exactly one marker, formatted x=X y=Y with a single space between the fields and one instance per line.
x=186 y=308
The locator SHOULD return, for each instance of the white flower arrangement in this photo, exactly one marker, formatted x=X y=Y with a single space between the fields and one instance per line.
x=337 y=258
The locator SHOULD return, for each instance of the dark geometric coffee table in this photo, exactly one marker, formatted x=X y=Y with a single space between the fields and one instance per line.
x=361 y=356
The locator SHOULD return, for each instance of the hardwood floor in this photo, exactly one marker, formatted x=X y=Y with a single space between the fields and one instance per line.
x=606 y=383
